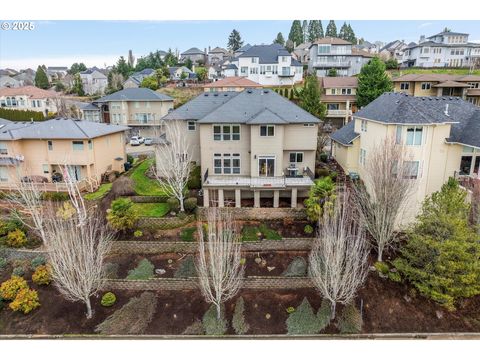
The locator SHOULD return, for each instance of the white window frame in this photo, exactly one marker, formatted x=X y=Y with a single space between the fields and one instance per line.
x=3 y=174
x=363 y=125
x=191 y=126
x=223 y=169
x=76 y=145
x=3 y=148
x=50 y=145
x=362 y=157
x=414 y=140
x=404 y=86
x=426 y=86
x=227 y=136
x=266 y=130
x=296 y=154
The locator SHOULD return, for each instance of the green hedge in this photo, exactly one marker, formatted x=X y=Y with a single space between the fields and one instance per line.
x=21 y=115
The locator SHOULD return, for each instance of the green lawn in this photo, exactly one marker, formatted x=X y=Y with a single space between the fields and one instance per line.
x=249 y=233
x=187 y=234
x=151 y=209
x=100 y=193
x=145 y=186
x=396 y=73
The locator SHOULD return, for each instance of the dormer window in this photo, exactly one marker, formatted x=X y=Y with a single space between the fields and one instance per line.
x=254 y=60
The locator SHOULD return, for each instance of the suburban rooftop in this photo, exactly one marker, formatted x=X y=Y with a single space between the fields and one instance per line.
x=135 y=94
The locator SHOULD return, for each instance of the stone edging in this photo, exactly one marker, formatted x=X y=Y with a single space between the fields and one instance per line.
x=250 y=282
x=150 y=247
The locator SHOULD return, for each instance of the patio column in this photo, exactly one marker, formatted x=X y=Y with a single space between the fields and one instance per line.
x=294 y=198
x=347 y=110
x=276 y=198
x=206 y=200
x=256 y=198
x=238 y=198
x=220 y=198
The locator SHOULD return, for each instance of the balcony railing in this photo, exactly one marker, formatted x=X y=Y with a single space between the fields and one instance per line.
x=339 y=112
x=86 y=184
x=144 y=122
x=331 y=64
x=263 y=182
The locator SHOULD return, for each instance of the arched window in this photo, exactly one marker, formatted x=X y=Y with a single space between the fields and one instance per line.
x=9 y=102
x=14 y=101
x=21 y=102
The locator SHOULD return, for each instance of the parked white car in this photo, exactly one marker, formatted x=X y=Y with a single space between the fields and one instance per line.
x=136 y=140
x=148 y=141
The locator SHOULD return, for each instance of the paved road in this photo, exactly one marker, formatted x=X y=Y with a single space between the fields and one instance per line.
x=139 y=150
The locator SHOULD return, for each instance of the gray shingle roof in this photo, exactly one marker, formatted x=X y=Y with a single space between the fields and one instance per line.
x=267 y=54
x=58 y=129
x=192 y=51
x=135 y=94
x=200 y=106
x=446 y=33
x=295 y=62
x=397 y=108
x=346 y=134
x=244 y=48
x=88 y=106
x=250 y=105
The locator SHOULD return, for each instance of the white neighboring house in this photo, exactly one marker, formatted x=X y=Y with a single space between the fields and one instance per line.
x=9 y=82
x=269 y=65
x=177 y=71
x=445 y=49
x=135 y=80
x=94 y=82
x=89 y=112
x=216 y=55
x=28 y=98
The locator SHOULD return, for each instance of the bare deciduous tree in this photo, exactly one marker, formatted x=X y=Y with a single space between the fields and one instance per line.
x=218 y=264
x=388 y=183
x=339 y=256
x=173 y=161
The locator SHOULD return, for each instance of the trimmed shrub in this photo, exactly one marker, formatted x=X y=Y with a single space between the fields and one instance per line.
x=190 y=204
x=394 y=276
x=303 y=320
x=123 y=186
x=18 y=271
x=195 y=329
x=16 y=238
x=42 y=275
x=269 y=234
x=187 y=234
x=195 y=178
x=122 y=215
x=350 y=321
x=324 y=314
x=382 y=267
x=110 y=270
x=323 y=157
x=10 y=288
x=238 y=321
x=174 y=204
x=55 y=196
x=297 y=268
x=322 y=173
x=25 y=301
x=211 y=324
x=108 y=299
x=138 y=233
x=9 y=226
x=308 y=229
x=186 y=268
x=130 y=159
x=143 y=271
x=37 y=261
x=132 y=318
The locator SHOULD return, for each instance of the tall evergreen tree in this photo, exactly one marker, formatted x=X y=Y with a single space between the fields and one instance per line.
x=309 y=97
x=304 y=30
x=41 y=79
x=76 y=68
x=331 y=29
x=373 y=81
x=234 y=41
x=123 y=67
x=343 y=34
x=279 y=39
x=351 y=35
x=320 y=29
x=296 y=34
x=314 y=30
x=77 y=85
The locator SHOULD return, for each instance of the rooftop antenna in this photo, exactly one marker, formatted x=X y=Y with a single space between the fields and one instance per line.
x=446 y=110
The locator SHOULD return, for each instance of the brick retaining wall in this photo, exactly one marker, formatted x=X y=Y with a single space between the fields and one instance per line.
x=152 y=247
x=164 y=223
x=21 y=254
x=251 y=282
x=262 y=213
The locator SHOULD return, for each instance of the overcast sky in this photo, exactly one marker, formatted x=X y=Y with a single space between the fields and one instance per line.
x=100 y=43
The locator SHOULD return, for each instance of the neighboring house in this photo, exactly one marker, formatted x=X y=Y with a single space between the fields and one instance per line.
x=135 y=80
x=465 y=86
x=29 y=98
x=196 y=55
x=333 y=53
x=90 y=112
x=231 y=84
x=139 y=108
x=393 y=50
x=8 y=72
x=230 y=70
x=368 y=47
x=39 y=149
x=177 y=71
x=441 y=137
x=56 y=72
x=9 y=82
x=216 y=55
x=269 y=65
x=445 y=49
x=240 y=51
x=339 y=95
x=26 y=78
x=94 y=81
x=253 y=147
x=301 y=53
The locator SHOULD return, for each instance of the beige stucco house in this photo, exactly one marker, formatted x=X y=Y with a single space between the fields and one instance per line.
x=29 y=98
x=39 y=150
x=440 y=135
x=339 y=95
x=465 y=86
x=254 y=147
x=139 y=108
